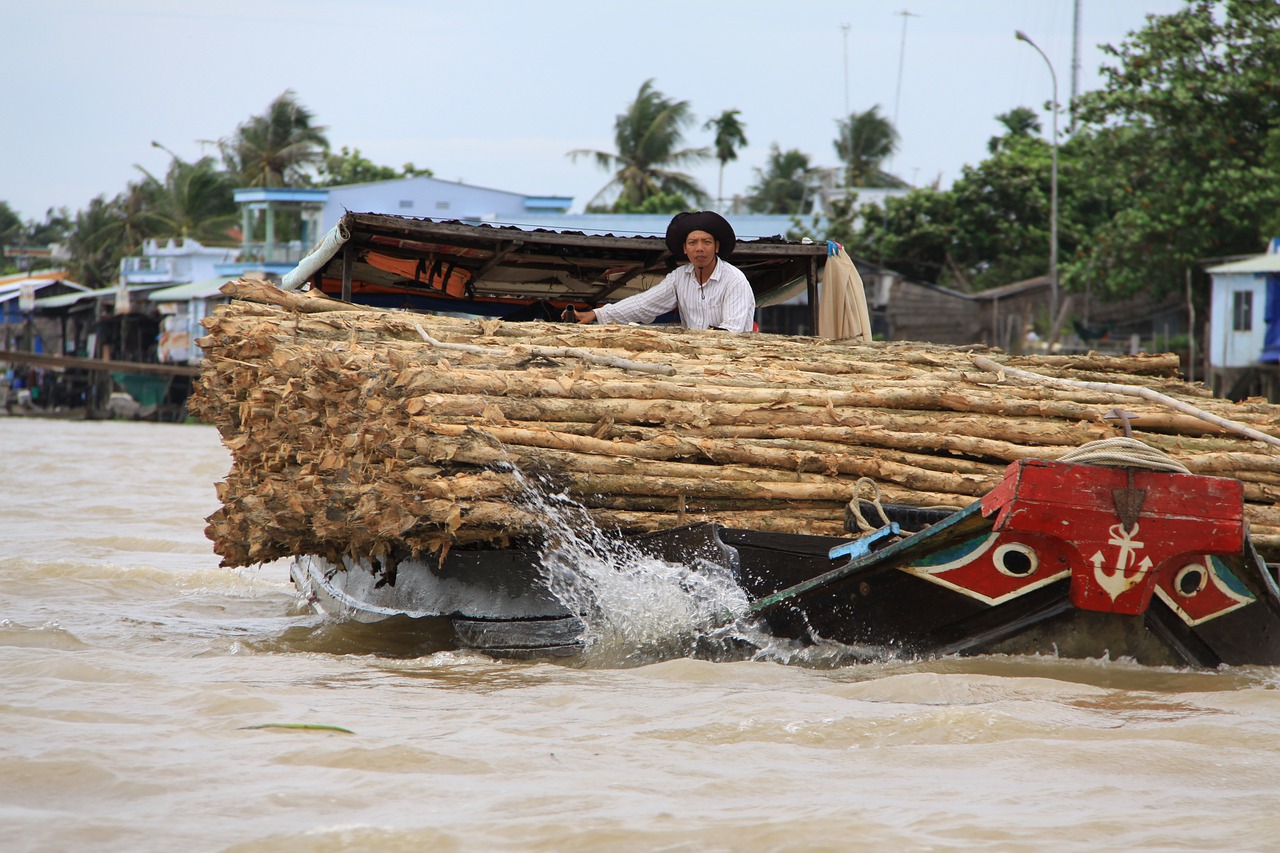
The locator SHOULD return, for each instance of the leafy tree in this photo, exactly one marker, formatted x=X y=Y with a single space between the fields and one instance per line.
x=11 y=229
x=277 y=148
x=1019 y=123
x=914 y=234
x=12 y=233
x=659 y=203
x=782 y=186
x=864 y=141
x=349 y=166
x=648 y=137
x=107 y=231
x=193 y=200
x=990 y=228
x=730 y=136
x=1188 y=129
x=57 y=222
x=95 y=244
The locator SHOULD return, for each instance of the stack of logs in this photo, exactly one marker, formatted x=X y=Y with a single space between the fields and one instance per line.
x=361 y=431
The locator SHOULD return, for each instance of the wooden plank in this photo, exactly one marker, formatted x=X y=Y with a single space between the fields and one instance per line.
x=98 y=364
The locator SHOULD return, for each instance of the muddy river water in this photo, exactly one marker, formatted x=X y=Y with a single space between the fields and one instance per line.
x=154 y=701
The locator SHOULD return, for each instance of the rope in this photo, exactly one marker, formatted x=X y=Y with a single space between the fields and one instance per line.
x=855 y=507
x=1121 y=452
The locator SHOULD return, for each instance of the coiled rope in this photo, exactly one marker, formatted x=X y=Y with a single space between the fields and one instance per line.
x=1123 y=452
x=855 y=507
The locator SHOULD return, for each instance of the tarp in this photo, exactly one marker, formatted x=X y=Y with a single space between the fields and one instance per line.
x=842 y=306
x=1271 y=339
x=330 y=244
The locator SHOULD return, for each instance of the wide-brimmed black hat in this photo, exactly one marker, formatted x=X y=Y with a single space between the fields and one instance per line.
x=700 y=220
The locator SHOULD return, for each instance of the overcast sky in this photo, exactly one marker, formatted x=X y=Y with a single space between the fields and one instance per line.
x=495 y=93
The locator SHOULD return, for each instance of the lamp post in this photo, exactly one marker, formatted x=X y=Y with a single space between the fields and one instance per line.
x=844 y=28
x=1053 y=190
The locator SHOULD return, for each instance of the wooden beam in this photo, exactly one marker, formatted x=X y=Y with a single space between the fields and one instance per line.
x=651 y=264
x=497 y=258
x=347 y=262
x=811 y=278
x=97 y=364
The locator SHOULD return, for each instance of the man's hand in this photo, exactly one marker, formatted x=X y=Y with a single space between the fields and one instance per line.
x=572 y=315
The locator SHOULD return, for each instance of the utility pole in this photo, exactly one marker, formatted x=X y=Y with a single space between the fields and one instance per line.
x=845 y=29
x=902 y=54
x=1075 y=64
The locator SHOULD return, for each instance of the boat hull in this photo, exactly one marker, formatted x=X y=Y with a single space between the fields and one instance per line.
x=1069 y=560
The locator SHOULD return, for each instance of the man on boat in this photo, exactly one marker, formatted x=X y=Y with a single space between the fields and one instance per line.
x=709 y=292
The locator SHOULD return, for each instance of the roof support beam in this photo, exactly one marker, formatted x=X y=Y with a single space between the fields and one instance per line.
x=498 y=257
x=652 y=263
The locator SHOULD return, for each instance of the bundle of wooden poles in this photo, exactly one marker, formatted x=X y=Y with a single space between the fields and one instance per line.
x=362 y=431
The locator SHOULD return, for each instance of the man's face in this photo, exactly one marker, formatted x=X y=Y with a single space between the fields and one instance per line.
x=701 y=248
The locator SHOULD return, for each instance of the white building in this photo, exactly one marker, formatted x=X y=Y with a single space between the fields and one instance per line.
x=437 y=199
x=1244 y=318
x=174 y=261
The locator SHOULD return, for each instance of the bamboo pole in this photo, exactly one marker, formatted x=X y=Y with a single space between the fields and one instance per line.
x=1130 y=390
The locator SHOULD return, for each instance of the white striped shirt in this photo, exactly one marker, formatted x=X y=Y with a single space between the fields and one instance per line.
x=724 y=302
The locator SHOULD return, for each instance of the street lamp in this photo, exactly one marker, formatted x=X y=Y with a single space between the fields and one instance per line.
x=1053 y=190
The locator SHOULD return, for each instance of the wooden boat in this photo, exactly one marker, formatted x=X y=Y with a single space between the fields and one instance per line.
x=381 y=452
x=1062 y=558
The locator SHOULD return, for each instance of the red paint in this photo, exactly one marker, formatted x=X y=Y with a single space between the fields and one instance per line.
x=1072 y=511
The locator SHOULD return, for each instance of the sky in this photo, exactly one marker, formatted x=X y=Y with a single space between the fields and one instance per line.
x=496 y=93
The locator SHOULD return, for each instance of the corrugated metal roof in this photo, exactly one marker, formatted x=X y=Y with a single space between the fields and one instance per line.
x=11 y=286
x=192 y=290
x=65 y=299
x=1256 y=264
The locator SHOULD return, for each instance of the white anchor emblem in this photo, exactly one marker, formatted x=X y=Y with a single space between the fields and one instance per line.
x=1116 y=582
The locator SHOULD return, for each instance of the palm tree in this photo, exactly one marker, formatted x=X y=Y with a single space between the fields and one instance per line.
x=95 y=244
x=277 y=148
x=194 y=200
x=730 y=136
x=1019 y=122
x=865 y=140
x=11 y=227
x=648 y=137
x=782 y=185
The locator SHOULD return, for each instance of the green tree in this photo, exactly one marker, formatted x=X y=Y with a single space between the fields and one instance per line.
x=95 y=244
x=1019 y=123
x=349 y=166
x=913 y=234
x=57 y=223
x=864 y=141
x=782 y=186
x=107 y=231
x=1187 y=127
x=278 y=148
x=990 y=228
x=648 y=137
x=192 y=200
x=730 y=136
x=659 y=203
x=11 y=228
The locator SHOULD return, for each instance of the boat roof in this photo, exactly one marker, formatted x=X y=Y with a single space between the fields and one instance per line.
x=480 y=268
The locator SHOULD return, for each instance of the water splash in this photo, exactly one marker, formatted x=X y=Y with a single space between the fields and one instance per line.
x=637 y=608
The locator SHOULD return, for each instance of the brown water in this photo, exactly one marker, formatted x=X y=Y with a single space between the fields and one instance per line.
x=137 y=678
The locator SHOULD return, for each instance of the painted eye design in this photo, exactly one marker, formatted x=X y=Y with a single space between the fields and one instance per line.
x=1190 y=579
x=1015 y=560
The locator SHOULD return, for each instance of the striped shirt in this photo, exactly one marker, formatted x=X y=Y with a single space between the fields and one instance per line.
x=724 y=302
